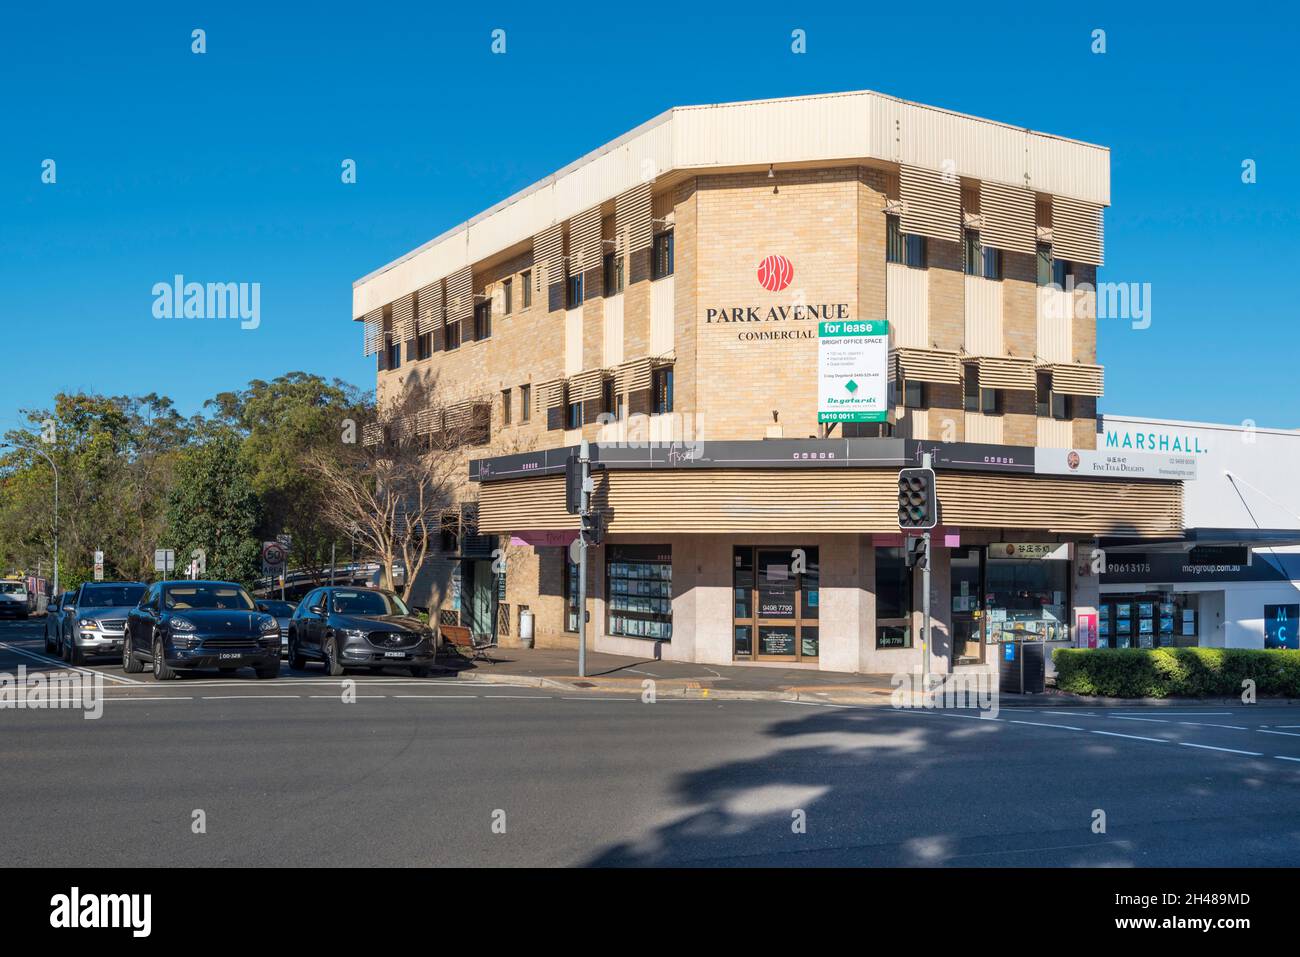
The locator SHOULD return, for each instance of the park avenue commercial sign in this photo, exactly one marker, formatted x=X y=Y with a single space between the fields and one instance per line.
x=774 y=274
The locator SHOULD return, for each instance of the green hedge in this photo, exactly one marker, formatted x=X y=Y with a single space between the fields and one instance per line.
x=1166 y=672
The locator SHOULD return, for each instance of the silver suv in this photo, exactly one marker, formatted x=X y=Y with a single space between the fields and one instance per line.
x=95 y=622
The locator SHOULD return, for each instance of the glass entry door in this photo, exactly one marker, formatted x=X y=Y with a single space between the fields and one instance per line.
x=967 y=611
x=776 y=603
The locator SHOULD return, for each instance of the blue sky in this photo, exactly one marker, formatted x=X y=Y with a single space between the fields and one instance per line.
x=225 y=166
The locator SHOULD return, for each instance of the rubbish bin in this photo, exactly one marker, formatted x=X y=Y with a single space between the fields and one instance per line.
x=525 y=627
x=1022 y=667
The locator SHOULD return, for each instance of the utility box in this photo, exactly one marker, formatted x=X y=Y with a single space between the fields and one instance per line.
x=1022 y=667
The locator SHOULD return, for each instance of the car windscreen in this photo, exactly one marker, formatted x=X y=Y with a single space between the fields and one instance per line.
x=281 y=609
x=368 y=603
x=13 y=588
x=114 y=596
x=201 y=596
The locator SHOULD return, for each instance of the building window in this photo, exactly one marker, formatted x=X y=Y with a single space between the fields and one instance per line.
x=662 y=394
x=525 y=403
x=572 y=412
x=1050 y=403
x=573 y=292
x=893 y=240
x=451 y=335
x=976 y=399
x=916 y=251
x=613 y=274
x=394 y=360
x=607 y=399
x=507 y=296
x=505 y=406
x=526 y=280
x=639 y=591
x=424 y=346
x=1061 y=269
x=992 y=263
x=1044 y=258
x=893 y=599
x=661 y=257
x=867 y=430
x=914 y=396
x=483 y=320
x=971 y=260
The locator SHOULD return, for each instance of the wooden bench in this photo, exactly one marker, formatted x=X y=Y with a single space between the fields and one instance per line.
x=459 y=638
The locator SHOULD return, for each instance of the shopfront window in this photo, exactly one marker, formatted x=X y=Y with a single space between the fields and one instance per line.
x=639 y=586
x=1148 y=620
x=893 y=599
x=776 y=602
x=1027 y=591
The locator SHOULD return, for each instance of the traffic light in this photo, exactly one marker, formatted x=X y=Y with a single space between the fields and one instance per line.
x=918 y=553
x=918 y=506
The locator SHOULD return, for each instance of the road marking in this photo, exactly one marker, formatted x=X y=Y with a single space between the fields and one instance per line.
x=1072 y=714
x=337 y=697
x=1288 y=725
x=434 y=697
x=1210 y=747
x=1195 y=714
x=165 y=697
x=1044 y=724
x=634 y=698
x=1289 y=734
x=1135 y=737
x=1206 y=724
x=972 y=717
x=46 y=659
x=1283 y=757
x=515 y=697
x=248 y=697
x=1120 y=717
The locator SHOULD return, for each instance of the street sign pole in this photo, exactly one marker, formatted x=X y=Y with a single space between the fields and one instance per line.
x=925 y=601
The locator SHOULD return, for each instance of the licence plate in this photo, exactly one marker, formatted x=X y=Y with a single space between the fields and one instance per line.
x=229 y=656
x=394 y=654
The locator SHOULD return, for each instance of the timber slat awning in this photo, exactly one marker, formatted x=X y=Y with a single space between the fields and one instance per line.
x=845 y=501
x=1075 y=378
x=587 y=386
x=1007 y=372
x=926 y=365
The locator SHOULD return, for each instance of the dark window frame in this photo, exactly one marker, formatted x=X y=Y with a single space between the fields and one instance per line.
x=614 y=276
x=525 y=403
x=507 y=296
x=573 y=291
x=662 y=255
x=661 y=386
x=483 y=320
x=526 y=280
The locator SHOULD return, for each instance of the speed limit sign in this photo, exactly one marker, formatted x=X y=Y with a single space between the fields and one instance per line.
x=272 y=555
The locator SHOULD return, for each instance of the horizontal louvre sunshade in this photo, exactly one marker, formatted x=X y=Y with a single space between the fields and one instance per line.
x=633 y=376
x=428 y=421
x=586 y=386
x=550 y=394
x=372 y=433
x=428 y=309
x=928 y=365
x=404 y=318
x=1007 y=214
x=1007 y=372
x=461 y=415
x=373 y=331
x=1076 y=379
x=460 y=294
x=584 y=241
x=931 y=205
x=768 y=501
x=1077 y=231
x=548 y=256
x=632 y=218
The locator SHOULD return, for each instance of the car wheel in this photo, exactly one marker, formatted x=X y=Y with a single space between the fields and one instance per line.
x=332 y=666
x=63 y=650
x=296 y=661
x=49 y=649
x=161 y=670
x=75 y=657
x=129 y=663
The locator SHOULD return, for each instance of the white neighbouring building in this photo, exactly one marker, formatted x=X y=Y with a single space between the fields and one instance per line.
x=1233 y=580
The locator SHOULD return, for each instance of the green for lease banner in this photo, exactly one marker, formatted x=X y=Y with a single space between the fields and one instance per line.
x=853 y=371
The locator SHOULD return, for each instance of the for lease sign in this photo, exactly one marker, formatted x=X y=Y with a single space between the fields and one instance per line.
x=853 y=371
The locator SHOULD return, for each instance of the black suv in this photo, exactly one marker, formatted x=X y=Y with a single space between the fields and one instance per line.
x=185 y=625
x=358 y=628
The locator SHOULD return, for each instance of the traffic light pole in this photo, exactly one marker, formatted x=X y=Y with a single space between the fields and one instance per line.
x=584 y=463
x=925 y=602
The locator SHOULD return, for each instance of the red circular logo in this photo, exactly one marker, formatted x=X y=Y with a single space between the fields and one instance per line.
x=775 y=273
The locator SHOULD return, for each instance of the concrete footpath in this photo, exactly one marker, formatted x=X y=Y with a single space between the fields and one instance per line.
x=558 y=668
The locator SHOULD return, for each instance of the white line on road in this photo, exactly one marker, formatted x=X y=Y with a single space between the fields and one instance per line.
x=46 y=659
x=1044 y=724
x=1135 y=737
x=635 y=698
x=1210 y=747
x=1283 y=757
x=339 y=697
x=1289 y=734
x=434 y=697
x=1072 y=714
x=249 y=697
x=1207 y=724
x=1121 y=717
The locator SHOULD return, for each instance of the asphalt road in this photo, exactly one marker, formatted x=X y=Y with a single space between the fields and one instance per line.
x=446 y=772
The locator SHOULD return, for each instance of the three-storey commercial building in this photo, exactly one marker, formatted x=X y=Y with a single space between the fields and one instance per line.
x=661 y=298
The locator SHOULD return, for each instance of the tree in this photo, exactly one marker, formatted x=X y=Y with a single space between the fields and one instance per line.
x=392 y=489
x=213 y=507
